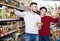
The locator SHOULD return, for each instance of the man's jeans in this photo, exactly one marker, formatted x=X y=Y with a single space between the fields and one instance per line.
x=31 y=37
x=57 y=39
x=44 y=38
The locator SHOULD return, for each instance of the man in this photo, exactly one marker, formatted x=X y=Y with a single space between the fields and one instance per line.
x=44 y=33
x=31 y=19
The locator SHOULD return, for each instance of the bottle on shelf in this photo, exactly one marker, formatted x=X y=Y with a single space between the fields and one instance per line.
x=0 y=30
x=12 y=25
x=0 y=13
x=17 y=4
x=17 y=24
x=4 y=29
x=10 y=2
x=4 y=12
x=8 y=26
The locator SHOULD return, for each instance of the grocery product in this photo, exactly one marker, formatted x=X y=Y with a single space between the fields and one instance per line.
x=0 y=30
x=0 y=14
x=6 y=1
x=0 y=1
x=8 y=15
x=10 y=2
x=17 y=24
x=4 y=29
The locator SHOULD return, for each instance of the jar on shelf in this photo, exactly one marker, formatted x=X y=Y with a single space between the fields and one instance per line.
x=10 y=2
x=0 y=30
x=13 y=15
x=4 y=29
x=13 y=3
x=6 y=1
x=16 y=4
x=12 y=25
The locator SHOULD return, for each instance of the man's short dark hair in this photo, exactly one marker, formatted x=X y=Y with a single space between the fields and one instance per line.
x=43 y=8
x=33 y=3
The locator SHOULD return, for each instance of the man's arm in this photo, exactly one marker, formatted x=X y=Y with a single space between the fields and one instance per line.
x=20 y=14
x=53 y=19
x=39 y=23
x=39 y=19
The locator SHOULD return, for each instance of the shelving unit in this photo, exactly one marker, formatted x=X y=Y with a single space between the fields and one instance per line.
x=13 y=30
x=9 y=32
x=56 y=34
x=20 y=29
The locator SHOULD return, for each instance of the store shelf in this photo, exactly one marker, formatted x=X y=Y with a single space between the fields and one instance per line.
x=10 y=19
x=9 y=32
x=12 y=6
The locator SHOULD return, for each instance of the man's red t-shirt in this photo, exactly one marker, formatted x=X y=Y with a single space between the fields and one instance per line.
x=45 y=31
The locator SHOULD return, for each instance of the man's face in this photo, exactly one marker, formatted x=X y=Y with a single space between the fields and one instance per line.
x=34 y=8
x=43 y=11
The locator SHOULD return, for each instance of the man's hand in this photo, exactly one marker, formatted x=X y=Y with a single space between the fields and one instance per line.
x=39 y=24
x=56 y=13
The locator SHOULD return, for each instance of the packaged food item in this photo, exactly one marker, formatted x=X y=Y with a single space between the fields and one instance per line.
x=4 y=12
x=11 y=24
x=9 y=27
x=14 y=3
x=0 y=30
x=8 y=15
x=58 y=34
x=0 y=13
x=10 y=2
x=17 y=4
x=11 y=13
x=4 y=29
x=17 y=24
x=6 y=1
x=20 y=23
x=14 y=25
